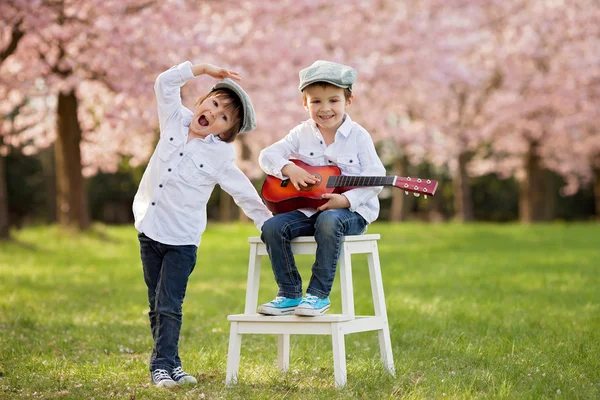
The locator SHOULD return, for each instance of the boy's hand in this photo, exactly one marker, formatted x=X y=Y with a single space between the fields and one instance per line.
x=298 y=176
x=335 y=201
x=221 y=73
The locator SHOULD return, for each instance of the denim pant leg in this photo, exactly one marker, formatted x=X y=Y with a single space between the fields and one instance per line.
x=166 y=272
x=277 y=233
x=330 y=228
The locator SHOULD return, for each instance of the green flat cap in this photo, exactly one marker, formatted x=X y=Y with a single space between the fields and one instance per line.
x=248 y=117
x=330 y=72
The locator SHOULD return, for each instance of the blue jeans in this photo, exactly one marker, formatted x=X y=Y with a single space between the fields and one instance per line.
x=328 y=228
x=166 y=272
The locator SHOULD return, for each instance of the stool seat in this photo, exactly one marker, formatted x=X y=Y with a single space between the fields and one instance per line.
x=336 y=325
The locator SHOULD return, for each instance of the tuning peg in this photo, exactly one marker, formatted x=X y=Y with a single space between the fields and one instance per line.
x=406 y=193
x=417 y=194
x=425 y=196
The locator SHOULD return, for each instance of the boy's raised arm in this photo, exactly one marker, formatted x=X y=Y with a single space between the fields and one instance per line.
x=167 y=88
x=214 y=71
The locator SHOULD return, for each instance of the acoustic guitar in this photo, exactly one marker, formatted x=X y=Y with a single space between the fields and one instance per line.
x=281 y=196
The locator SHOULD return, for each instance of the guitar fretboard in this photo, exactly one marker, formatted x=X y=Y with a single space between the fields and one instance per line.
x=341 y=181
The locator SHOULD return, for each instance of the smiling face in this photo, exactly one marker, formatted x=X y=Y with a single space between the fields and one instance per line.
x=218 y=113
x=326 y=105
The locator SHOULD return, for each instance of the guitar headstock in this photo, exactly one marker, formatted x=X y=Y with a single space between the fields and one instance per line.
x=417 y=186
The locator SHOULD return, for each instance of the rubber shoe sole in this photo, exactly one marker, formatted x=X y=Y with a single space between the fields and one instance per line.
x=274 y=311
x=311 y=312
x=166 y=383
x=187 y=380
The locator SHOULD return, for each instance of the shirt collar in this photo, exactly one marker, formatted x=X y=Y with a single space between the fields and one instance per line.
x=346 y=126
x=212 y=138
x=344 y=129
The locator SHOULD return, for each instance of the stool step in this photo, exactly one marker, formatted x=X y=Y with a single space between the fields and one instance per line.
x=291 y=324
x=327 y=318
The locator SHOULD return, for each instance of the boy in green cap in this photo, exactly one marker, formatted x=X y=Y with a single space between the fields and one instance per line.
x=329 y=137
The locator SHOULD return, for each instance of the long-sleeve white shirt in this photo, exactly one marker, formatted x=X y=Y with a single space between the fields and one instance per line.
x=352 y=151
x=170 y=204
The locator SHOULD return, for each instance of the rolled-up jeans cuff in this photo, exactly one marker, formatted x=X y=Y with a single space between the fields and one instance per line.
x=317 y=293
x=289 y=292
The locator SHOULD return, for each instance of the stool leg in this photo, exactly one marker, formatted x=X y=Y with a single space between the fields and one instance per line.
x=253 y=280
x=339 y=354
x=233 y=355
x=385 y=349
x=346 y=282
x=283 y=352
x=385 y=342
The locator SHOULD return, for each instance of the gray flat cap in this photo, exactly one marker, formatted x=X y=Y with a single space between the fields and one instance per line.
x=330 y=72
x=249 y=117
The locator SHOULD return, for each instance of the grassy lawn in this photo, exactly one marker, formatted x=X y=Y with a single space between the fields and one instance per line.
x=476 y=311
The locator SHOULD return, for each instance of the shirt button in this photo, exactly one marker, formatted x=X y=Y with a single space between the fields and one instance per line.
x=311 y=153
x=350 y=161
x=153 y=203
x=169 y=170
x=321 y=142
x=330 y=162
x=160 y=185
x=170 y=138
x=201 y=165
x=181 y=154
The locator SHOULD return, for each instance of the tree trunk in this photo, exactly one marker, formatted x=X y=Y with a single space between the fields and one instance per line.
x=71 y=202
x=47 y=160
x=4 y=225
x=225 y=207
x=534 y=190
x=463 y=202
x=597 y=192
x=401 y=204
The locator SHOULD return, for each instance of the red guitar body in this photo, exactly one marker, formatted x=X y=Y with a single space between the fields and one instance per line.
x=281 y=196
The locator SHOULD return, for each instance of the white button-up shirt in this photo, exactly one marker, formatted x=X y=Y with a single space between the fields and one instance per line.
x=352 y=151
x=170 y=204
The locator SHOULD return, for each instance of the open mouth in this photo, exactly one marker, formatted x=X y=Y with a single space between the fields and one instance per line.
x=326 y=117
x=202 y=121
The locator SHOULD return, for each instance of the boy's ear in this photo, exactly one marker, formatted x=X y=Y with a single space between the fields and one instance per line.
x=305 y=104
x=350 y=100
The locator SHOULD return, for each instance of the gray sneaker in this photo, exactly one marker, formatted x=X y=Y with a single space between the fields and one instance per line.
x=182 y=377
x=161 y=378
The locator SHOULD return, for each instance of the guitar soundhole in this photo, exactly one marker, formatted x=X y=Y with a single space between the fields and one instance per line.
x=310 y=187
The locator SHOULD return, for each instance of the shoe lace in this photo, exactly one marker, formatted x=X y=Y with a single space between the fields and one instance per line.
x=278 y=299
x=160 y=374
x=310 y=299
x=178 y=373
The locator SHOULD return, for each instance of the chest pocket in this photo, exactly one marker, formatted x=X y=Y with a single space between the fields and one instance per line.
x=311 y=156
x=349 y=164
x=197 y=171
x=167 y=146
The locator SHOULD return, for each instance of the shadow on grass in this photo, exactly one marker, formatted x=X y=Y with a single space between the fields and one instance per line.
x=20 y=244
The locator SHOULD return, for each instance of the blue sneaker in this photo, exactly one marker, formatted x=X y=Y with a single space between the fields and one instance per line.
x=312 y=306
x=279 y=306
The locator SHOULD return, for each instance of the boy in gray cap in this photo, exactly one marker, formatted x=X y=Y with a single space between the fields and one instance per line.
x=329 y=137
x=193 y=154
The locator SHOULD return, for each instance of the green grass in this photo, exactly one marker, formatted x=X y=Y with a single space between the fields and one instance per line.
x=476 y=311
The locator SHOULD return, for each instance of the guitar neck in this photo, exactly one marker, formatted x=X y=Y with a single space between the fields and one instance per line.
x=345 y=181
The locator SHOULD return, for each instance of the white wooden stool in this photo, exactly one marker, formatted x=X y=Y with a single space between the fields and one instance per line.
x=336 y=325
